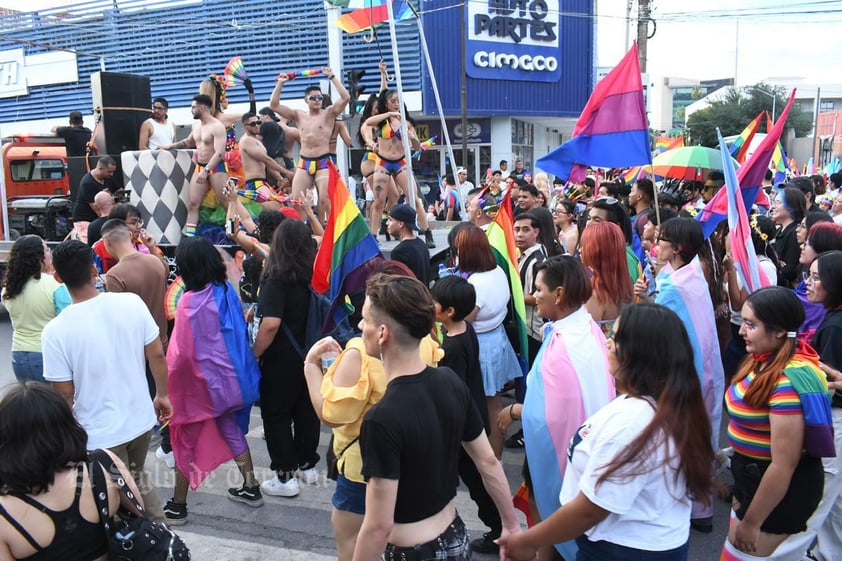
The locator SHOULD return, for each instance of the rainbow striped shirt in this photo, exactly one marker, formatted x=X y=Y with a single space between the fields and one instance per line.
x=749 y=432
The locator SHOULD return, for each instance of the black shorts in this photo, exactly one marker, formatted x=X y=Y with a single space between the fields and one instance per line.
x=798 y=504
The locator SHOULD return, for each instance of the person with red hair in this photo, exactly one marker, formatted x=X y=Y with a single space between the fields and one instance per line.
x=499 y=365
x=603 y=250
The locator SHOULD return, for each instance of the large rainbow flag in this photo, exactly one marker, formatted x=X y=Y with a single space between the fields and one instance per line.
x=347 y=246
x=664 y=143
x=612 y=131
x=739 y=148
x=213 y=380
x=568 y=382
x=502 y=239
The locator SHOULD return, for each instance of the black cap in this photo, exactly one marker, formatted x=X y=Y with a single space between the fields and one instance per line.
x=268 y=111
x=405 y=214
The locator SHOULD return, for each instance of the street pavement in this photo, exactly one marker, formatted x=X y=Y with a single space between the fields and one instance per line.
x=299 y=528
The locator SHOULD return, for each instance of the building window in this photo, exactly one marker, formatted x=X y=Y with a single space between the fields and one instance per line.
x=825 y=106
x=523 y=139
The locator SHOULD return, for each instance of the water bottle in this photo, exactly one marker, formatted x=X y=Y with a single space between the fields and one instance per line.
x=444 y=271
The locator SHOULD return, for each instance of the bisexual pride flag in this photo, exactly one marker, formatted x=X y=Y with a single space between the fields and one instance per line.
x=612 y=131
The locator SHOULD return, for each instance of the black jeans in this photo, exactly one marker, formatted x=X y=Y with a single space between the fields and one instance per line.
x=284 y=400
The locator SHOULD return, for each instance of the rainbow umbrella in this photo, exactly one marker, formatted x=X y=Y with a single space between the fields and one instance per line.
x=690 y=163
x=174 y=292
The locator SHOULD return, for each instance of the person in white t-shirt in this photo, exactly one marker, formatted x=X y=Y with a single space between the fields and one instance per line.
x=635 y=465
x=94 y=356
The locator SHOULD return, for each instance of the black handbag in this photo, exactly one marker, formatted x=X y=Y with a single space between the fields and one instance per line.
x=131 y=536
x=333 y=460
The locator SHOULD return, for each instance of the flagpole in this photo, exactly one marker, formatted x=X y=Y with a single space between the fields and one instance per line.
x=435 y=86
x=404 y=131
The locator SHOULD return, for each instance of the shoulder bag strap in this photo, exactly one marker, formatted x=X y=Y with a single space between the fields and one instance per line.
x=339 y=456
x=292 y=340
x=100 y=491
x=104 y=459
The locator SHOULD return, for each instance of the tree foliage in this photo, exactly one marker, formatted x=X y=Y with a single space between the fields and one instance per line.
x=738 y=108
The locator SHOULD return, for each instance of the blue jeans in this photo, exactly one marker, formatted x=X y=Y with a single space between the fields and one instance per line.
x=607 y=551
x=28 y=365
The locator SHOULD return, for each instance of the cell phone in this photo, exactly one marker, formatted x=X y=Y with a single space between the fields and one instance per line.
x=230 y=227
x=233 y=182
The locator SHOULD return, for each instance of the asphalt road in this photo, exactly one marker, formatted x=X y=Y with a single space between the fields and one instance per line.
x=299 y=528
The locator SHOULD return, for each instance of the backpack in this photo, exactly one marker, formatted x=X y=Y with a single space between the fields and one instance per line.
x=318 y=311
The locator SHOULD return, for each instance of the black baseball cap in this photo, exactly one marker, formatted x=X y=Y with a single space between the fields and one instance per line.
x=405 y=214
x=268 y=111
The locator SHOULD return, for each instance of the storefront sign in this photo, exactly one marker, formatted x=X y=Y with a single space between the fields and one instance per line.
x=18 y=73
x=478 y=131
x=513 y=40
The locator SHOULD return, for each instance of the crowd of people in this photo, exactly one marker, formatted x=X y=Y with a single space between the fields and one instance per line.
x=638 y=329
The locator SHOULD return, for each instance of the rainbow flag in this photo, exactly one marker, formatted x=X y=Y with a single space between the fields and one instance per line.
x=568 y=382
x=634 y=173
x=742 y=248
x=664 y=143
x=212 y=377
x=780 y=164
x=612 y=131
x=810 y=168
x=347 y=246
x=373 y=14
x=501 y=236
x=739 y=148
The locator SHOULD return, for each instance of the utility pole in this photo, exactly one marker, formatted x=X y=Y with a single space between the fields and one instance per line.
x=642 y=31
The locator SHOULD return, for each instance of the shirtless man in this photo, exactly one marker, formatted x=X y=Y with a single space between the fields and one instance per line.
x=208 y=138
x=257 y=163
x=315 y=126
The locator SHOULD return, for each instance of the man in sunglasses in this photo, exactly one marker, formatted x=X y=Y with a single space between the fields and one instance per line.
x=257 y=164
x=314 y=125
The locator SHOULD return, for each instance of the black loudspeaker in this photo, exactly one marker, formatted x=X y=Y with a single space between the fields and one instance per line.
x=125 y=101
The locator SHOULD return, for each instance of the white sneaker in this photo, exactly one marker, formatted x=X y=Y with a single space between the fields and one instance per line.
x=168 y=459
x=278 y=488
x=308 y=476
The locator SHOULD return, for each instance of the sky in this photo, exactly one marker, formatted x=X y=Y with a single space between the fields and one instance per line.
x=701 y=39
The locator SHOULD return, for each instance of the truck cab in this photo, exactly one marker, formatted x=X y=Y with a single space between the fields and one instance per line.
x=35 y=185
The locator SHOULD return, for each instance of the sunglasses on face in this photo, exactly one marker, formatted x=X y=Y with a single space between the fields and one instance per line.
x=253 y=124
x=315 y=97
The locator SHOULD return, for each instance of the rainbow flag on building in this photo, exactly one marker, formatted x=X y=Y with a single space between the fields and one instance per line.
x=347 y=245
x=212 y=374
x=501 y=236
x=739 y=148
x=369 y=13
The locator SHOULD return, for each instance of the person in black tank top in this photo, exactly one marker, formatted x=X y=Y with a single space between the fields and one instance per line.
x=40 y=441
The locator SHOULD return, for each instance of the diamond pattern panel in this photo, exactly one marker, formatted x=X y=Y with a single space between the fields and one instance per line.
x=159 y=183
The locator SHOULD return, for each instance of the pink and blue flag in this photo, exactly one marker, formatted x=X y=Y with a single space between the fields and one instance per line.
x=742 y=248
x=213 y=380
x=750 y=176
x=569 y=381
x=612 y=131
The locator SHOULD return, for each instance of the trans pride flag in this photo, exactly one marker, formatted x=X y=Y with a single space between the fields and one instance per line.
x=750 y=176
x=569 y=381
x=742 y=248
x=612 y=131
x=347 y=246
x=213 y=380
x=685 y=292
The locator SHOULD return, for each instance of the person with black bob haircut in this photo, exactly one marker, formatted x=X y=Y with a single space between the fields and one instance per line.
x=788 y=209
x=43 y=463
x=634 y=465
